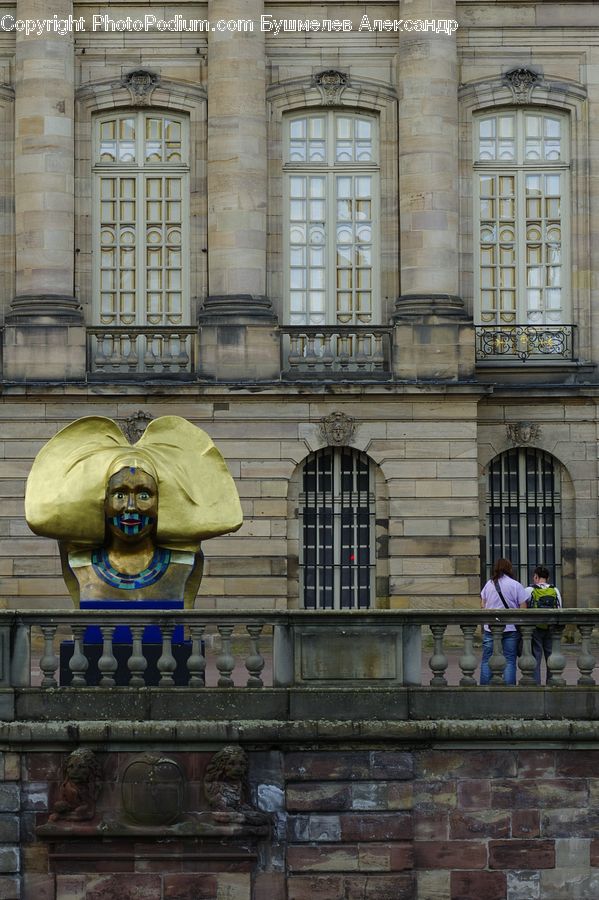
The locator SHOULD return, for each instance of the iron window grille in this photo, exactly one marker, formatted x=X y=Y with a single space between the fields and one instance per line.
x=337 y=512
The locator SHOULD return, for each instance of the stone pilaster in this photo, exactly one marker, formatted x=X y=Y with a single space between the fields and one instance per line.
x=237 y=318
x=45 y=338
x=428 y=196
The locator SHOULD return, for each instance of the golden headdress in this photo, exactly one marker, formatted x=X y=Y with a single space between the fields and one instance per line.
x=197 y=498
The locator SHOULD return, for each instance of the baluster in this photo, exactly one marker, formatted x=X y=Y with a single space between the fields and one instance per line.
x=328 y=355
x=167 y=663
x=497 y=659
x=255 y=661
x=295 y=351
x=196 y=664
x=438 y=661
x=225 y=661
x=557 y=661
x=107 y=663
x=378 y=356
x=468 y=661
x=100 y=357
x=344 y=349
x=361 y=355
x=585 y=660
x=137 y=663
x=527 y=662
x=49 y=660
x=182 y=359
x=78 y=662
x=312 y=345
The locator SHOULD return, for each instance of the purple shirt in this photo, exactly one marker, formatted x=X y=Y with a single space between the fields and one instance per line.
x=513 y=592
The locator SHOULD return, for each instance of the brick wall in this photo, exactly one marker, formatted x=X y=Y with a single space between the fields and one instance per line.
x=347 y=824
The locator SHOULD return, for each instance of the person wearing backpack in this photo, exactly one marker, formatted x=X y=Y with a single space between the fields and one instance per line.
x=542 y=595
x=502 y=591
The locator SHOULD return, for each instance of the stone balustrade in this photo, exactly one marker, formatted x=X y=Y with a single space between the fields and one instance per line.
x=123 y=350
x=264 y=652
x=336 y=350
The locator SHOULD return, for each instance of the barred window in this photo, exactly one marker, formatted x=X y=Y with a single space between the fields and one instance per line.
x=140 y=183
x=524 y=511
x=521 y=203
x=337 y=523
x=332 y=182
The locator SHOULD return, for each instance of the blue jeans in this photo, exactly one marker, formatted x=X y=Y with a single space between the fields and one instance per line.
x=509 y=642
x=542 y=639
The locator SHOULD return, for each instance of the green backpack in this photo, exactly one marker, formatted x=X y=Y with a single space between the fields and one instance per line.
x=544 y=596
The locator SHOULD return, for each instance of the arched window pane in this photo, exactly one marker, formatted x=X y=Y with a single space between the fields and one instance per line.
x=524 y=512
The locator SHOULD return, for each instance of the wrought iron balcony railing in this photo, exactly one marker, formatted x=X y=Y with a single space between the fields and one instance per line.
x=546 y=343
x=124 y=350
x=336 y=351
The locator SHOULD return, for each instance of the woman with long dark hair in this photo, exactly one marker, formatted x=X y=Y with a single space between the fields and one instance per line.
x=500 y=592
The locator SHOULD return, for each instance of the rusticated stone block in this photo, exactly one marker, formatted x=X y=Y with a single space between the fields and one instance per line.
x=10 y=798
x=391 y=764
x=9 y=829
x=320 y=796
x=436 y=764
x=317 y=766
x=197 y=886
x=450 y=854
x=544 y=793
x=327 y=857
x=577 y=763
x=314 y=828
x=474 y=794
x=270 y=886
x=38 y=887
x=9 y=859
x=132 y=886
x=478 y=885
x=485 y=823
x=524 y=885
x=570 y=823
x=431 y=826
x=540 y=764
x=10 y=888
x=378 y=887
x=526 y=823
x=315 y=887
x=435 y=795
x=521 y=854
x=595 y=852
x=376 y=827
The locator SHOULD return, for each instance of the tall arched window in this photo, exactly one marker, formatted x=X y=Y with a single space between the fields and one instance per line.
x=337 y=516
x=141 y=214
x=331 y=166
x=521 y=215
x=524 y=511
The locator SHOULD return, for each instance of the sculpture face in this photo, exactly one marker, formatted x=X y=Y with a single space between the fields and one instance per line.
x=131 y=505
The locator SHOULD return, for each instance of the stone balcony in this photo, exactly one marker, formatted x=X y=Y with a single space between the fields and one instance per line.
x=290 y=669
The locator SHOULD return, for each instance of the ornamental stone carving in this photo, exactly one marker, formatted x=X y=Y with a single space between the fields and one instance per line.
x=337 y=429
x=80 y=788
x=227 y=790
x=152 y=791
x=521 y=82
x=523 y=433
x=134 y=425
x=141 y=83
x=331 y=85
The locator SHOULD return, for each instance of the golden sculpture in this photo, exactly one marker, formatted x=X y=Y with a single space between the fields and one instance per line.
x=130 y=519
